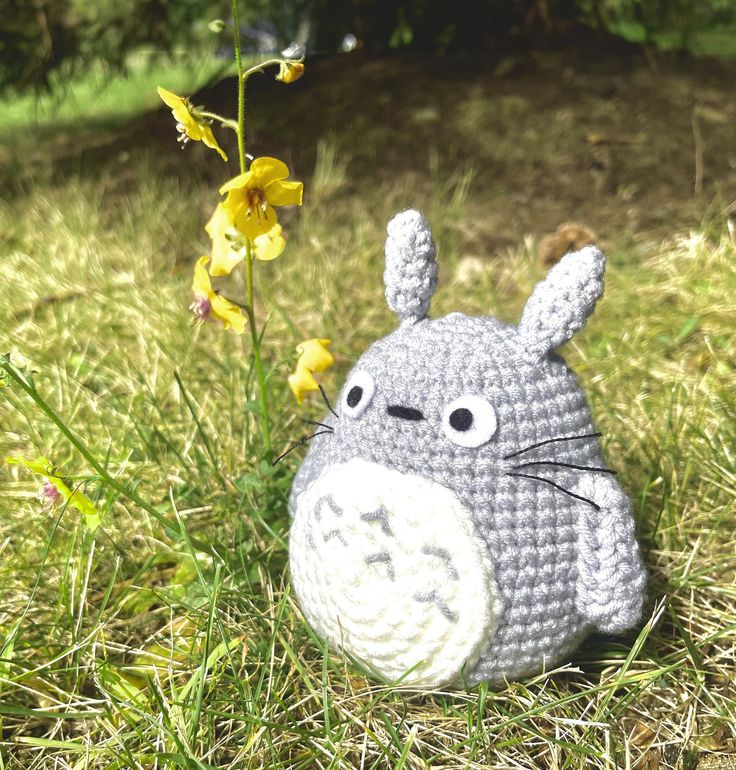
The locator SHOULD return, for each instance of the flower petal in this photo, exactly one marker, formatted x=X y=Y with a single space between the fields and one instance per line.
x=170 y=99
x=269 y=246
x=73 y=499
x=236 y=183
x=256 y=224
x=231 y=315
x=201 y=284
x=219 y=222
x=290 y=71
x=301 y=382
x=209 y=139
x=181 y=112
x=313 y=355
x=284 y=193
x=226 y=255
x=41 y=466
x=195 y=129
x=231 y=207
x=79 y=501
x=227 y=251
x=266 y=170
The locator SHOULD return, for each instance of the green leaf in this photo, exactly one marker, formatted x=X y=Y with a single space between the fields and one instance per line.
x=46 y=743
x=248 y=481
x=690 y=325
x=123 y=688
x=188 y=763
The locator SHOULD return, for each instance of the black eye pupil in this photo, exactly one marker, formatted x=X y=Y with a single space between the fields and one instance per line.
x=354 y=396
x=461 y=419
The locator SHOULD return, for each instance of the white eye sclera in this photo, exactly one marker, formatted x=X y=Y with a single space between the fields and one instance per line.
x=357 y=394
x=469 y=421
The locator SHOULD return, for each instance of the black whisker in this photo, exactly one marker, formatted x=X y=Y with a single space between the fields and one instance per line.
x=550 y=441
x=321 y=424
x=287 y=452
x=565 y=465
x=297 y=444
x=556 y=486
x=327 y=401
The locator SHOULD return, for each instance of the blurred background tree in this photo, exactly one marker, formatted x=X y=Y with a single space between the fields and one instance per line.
x=41 y=38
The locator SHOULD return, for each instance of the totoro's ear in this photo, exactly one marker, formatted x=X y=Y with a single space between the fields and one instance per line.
x=561 y=303
x=411 y=270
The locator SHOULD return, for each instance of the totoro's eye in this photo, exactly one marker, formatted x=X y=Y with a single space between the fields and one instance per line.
x=469 y=421
x=357 y=394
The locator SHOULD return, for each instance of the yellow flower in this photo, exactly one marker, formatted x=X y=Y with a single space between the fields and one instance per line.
x=228 y=246
x=268 y=246
x=55 y=491
x=289 y=71
x=313 y=357
x=188 y=122
x=208 y=302
x=251 y=196
x=301 y=382
x=313 y=354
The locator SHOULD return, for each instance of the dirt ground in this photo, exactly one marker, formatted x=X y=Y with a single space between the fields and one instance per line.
x=622 y=142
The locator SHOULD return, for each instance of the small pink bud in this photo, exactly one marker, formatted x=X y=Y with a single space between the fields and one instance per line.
x=49 y=494
x=201 y=308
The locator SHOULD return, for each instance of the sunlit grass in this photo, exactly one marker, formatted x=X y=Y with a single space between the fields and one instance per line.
x=135 y=649
x=104 y=99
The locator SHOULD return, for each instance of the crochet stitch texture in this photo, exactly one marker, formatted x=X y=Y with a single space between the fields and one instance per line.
x=458 y=523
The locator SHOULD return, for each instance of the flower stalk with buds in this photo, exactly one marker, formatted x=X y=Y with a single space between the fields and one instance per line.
x=244 y=227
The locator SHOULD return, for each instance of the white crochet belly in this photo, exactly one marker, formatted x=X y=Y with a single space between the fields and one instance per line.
x=388 y=567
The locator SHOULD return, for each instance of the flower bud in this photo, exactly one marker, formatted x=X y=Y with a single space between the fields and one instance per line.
x=49 y=494
x=290 y=71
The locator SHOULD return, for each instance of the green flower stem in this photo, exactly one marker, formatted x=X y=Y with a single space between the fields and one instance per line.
x=263 y=394
x=111 y=481
x=256 y=340
x=224 y=122
x=241 y=90
x=269 y=63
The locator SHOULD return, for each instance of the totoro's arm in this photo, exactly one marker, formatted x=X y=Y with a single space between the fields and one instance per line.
x=611 y=578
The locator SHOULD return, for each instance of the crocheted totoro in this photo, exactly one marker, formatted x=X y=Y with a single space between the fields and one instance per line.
x=457 y=523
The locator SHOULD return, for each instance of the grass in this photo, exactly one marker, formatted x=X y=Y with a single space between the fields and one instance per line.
x=133 y=648
x=81 y=114
x=102 y=99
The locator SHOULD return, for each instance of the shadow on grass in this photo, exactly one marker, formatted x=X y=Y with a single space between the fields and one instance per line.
x=549 y=135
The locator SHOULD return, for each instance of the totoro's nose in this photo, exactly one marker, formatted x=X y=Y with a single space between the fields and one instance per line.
x=405 y=412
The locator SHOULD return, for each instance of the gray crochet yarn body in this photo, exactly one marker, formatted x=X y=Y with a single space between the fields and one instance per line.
x=459 y=523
